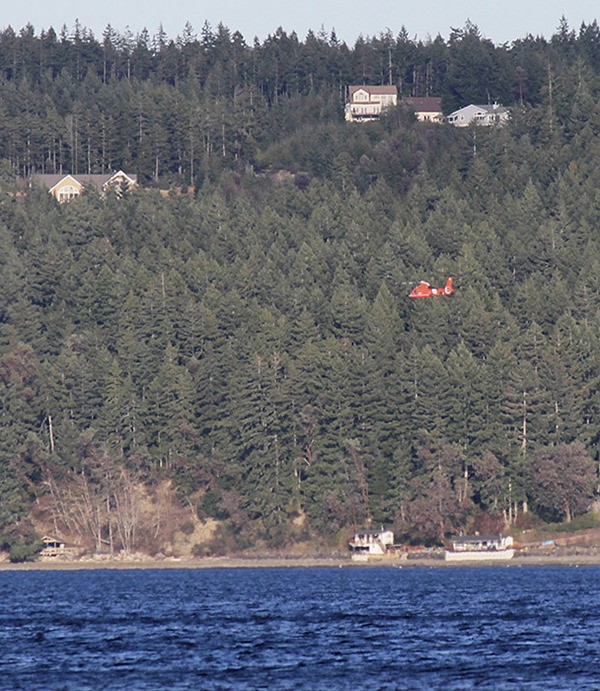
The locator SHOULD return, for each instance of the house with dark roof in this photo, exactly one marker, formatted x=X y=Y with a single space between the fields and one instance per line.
x=367 y=102
x=66 y=187
x=427 y=108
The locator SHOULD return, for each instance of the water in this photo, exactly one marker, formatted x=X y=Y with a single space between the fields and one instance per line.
x=293 y=628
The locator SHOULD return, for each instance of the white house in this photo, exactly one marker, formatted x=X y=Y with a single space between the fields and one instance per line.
x=375 y=542
x=368 y=102
x=493 y=114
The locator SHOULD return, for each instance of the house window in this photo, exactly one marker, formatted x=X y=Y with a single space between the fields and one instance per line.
x=67 y=193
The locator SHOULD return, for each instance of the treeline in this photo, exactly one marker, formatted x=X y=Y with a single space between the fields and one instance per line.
x=183 y=109
x=253 y=344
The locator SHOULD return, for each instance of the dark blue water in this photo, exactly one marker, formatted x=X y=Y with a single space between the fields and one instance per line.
x=294 y=628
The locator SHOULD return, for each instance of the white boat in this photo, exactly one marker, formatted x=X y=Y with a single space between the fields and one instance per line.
x=480 y=548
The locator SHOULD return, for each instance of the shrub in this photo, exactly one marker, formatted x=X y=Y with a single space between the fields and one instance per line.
x=25 y=551
x=187 y=528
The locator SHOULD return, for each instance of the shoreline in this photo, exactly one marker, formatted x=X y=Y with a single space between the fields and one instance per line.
x=574 y=560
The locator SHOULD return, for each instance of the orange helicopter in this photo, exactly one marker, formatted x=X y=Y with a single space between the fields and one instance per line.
x=424 y=290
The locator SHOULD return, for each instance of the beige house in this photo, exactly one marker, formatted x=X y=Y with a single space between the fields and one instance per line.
x=427 y=108
x=66 y=187
x=368 y=102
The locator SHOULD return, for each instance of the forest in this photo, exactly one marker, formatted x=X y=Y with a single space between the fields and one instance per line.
x=237 y=328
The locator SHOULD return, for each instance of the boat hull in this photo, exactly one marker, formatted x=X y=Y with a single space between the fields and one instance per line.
x=484 y=555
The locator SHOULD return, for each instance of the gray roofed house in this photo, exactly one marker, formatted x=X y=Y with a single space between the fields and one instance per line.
x=491 y=114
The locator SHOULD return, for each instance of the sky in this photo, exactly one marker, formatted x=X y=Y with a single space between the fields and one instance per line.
x=501 y=22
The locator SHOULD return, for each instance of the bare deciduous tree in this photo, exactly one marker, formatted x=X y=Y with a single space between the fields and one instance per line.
x=561 y=480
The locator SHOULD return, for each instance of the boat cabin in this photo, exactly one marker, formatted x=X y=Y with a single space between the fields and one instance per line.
x=481 y=543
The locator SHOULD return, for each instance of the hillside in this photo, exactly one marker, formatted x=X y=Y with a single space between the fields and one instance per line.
x=250 y=343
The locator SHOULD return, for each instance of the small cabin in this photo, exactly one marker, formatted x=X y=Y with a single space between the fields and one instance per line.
x=376 y=542
x=52 y=547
